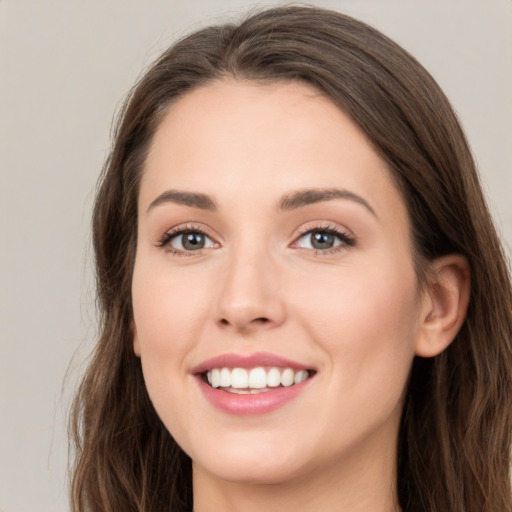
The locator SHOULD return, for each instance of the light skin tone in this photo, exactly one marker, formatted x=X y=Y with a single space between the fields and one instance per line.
x=305 y=253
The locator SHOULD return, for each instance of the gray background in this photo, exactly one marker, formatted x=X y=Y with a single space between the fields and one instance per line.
x=65 y=66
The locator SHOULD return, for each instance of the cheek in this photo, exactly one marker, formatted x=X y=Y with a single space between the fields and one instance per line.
x=168 y=309
x=366 y=319
x=169 y=315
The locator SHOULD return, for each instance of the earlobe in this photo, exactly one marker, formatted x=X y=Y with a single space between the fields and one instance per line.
x=446 y=302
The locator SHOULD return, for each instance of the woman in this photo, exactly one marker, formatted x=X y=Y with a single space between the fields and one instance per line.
x=304 y=301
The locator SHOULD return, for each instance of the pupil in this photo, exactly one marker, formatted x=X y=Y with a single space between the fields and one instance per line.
x=193 y=241
x=322 y=240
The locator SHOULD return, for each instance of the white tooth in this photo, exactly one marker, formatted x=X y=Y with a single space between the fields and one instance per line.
x=258 y=378
x=256 y=391
x=239 y=378
x=225 y=378
x=287 y=377
x=209 y=376
x=273 y=378
x=238 y=391
x=215 y=378
x=300 y=376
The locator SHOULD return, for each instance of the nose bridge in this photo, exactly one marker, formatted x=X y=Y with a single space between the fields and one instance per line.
x=250 y=294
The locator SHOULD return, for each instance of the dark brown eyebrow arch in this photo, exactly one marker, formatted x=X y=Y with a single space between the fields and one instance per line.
x=306 y=197
x=192 y=199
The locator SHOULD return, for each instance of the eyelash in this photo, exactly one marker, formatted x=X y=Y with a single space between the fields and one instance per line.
x=345 y=239
x=165 y=241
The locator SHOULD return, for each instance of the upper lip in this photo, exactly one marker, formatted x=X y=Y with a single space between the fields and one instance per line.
x=232 y=360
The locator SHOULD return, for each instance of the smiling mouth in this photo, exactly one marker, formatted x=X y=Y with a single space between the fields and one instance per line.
x=252 y=381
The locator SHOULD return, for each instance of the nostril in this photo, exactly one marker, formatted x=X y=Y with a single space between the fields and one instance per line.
x=260 y=320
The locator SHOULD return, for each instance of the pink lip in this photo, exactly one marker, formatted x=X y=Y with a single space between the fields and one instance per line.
x=249 y=404
x=240 y=405
x=248 y=361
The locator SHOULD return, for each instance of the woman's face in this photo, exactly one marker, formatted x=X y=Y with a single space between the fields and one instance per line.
x=273 y=247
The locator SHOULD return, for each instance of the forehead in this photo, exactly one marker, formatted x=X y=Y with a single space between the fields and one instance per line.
x=243 y=138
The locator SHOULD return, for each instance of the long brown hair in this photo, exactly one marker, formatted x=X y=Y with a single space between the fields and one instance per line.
x=455 y=434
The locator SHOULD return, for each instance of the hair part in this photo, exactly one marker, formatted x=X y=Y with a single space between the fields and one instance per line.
x=455 y=434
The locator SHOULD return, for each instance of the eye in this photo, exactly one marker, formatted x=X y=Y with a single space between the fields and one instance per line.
x=190 y=241
x=323 y=239
x=187 y=240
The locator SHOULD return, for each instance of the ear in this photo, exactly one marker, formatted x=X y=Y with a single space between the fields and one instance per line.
x=136 y=345
x=445 y=304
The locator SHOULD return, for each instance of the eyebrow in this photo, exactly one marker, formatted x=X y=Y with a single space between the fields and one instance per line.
x=291 y=201
x=306 y=197
x=192 y=199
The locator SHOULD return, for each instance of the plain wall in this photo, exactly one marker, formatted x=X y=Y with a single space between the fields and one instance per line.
x=65 y=66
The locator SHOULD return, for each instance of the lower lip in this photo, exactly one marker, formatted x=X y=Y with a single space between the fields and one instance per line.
x=246 y=404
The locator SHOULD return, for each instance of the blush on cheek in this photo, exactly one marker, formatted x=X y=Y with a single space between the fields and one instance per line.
x=159 y=315
x=374 y=328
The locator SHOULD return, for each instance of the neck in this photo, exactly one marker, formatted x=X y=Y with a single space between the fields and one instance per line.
x=363 y=484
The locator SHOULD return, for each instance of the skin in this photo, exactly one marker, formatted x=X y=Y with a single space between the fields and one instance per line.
x=356 y=314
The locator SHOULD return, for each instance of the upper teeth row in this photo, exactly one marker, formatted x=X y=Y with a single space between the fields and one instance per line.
x=257 y=378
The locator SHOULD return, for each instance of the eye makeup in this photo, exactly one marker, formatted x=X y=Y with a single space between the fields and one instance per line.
x=324 y=239
x=191 y=240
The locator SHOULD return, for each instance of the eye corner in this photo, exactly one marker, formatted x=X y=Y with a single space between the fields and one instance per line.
x=329 y=239
x=200 y=240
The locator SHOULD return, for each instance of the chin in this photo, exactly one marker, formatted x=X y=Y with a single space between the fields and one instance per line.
x=257 y=460
x=253 y=471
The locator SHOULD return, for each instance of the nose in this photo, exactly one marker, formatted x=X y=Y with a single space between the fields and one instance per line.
x=251 y=297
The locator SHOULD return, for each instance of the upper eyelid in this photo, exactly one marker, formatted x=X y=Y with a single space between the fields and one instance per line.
x=181 y=229
x=325 y=227
x=188 y=227
x=345 y=236
x=328 y=226
x=300 y=232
